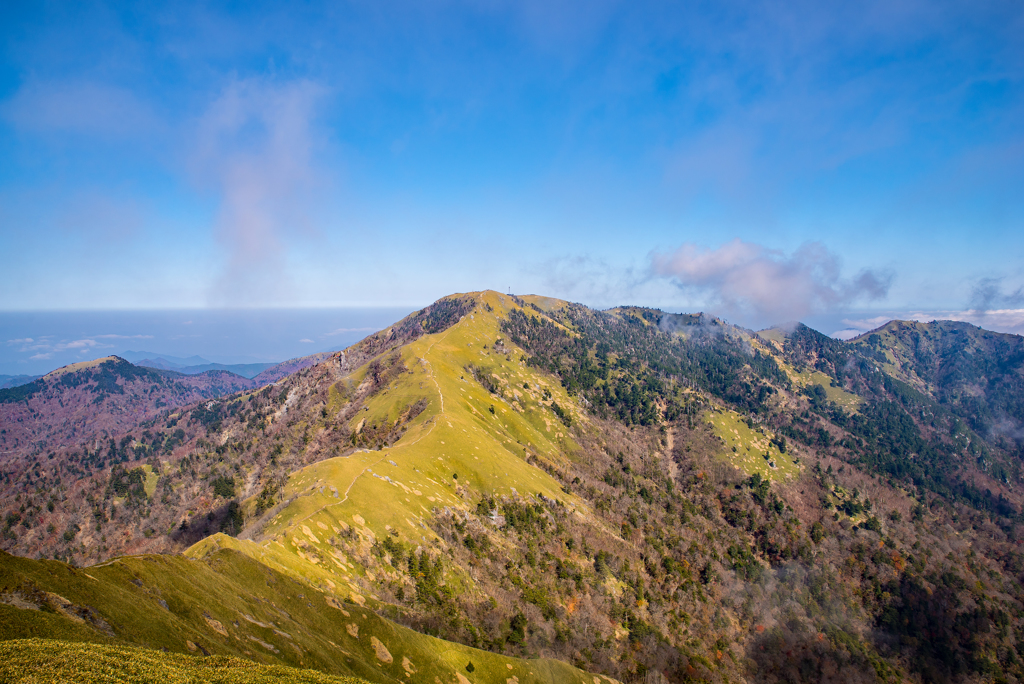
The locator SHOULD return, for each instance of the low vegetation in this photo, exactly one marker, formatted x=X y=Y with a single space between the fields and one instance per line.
x=43 y=660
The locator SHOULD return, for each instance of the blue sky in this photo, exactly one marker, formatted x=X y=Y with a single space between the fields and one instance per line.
x=765 y=161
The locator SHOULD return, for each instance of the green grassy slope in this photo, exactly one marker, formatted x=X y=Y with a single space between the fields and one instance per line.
x=230 y=605
x=750 y=449
x=456 y=445
x=29 y=661
x=806 y=376
x=280 y=596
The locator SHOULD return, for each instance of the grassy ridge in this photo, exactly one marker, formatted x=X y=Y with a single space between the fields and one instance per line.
x=467 y=437
x=279 y=600
x=26 y=661
x=230 y=605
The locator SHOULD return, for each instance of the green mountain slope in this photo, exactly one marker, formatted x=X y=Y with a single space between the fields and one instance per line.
x=229 y=605
x=646 y=495
x=26 y=661
x=465 y=438
x=979 y=374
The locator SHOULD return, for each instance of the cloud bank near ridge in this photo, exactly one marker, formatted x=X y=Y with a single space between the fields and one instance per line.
x=762 y=286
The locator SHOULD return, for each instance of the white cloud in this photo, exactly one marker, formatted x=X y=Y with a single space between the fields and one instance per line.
x=256 y=149
x=867 y=323
x=27 y=344
x=124 y=337
x=46 y=347
x=588 y=279
x=766 y=286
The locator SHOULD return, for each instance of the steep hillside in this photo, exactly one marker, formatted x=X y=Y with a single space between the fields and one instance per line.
x=286 y=368
x=646 y=495
x=935 y=404
x=231 y=606
x=977 y=373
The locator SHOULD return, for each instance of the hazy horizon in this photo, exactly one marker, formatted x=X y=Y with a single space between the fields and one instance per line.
x=35 y=343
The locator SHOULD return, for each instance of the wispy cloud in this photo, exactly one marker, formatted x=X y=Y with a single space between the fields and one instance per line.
x=585 y=278
x=255 y=150
x=867 y=323
x=45 y=349
x=858 y=326
x=27 y=344
x=988 y=294
x=343 y=331
x=123 y=337
x=759 y=285
x=46 y=346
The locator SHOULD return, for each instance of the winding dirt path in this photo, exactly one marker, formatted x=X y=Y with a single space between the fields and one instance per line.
x=388 y=450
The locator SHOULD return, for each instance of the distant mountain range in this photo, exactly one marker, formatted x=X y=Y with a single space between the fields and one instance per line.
x=87 y=402
x=193 y=365
x=7 y=381
x=632 y=494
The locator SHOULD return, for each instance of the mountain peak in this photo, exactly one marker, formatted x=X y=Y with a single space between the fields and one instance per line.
x=81 y=365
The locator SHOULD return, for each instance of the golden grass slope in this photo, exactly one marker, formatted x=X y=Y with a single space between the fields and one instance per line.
x=81 y=365
x=466 y=440
x=32 y=661
x=750 y=449
x=286 y=595
x=229 y=605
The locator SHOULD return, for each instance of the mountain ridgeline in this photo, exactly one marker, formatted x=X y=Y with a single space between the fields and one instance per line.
x=503 y=488
x=86 y=403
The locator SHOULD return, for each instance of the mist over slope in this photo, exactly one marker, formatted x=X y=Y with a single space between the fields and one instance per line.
x=637 y=493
